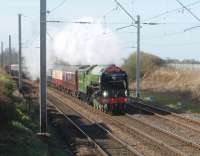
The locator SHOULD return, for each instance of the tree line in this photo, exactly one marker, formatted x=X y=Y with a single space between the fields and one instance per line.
x=184 y=61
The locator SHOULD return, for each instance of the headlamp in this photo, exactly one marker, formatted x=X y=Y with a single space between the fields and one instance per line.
x=105 y=93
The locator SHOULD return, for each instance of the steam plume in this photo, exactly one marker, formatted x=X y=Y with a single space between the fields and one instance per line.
x=86 y=41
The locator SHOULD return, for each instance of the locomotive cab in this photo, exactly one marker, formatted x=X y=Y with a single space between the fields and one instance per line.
x=114 y=90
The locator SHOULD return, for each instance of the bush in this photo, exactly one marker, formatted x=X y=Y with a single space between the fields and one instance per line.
x=149 y=63
x=6 y=85
x=7 y=108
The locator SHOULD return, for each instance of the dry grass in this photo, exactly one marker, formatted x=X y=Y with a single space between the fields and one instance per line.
x=182 y=82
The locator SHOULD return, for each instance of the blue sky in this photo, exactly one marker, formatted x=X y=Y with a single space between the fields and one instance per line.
x=166 y=40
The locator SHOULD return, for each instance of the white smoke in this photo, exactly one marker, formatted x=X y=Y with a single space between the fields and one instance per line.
x=86 y=41
x=32 y=63
x=32 y=59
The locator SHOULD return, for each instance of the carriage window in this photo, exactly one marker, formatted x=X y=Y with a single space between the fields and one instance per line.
x=68 y=76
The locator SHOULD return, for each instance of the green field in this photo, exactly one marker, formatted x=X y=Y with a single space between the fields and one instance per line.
x=172 y=101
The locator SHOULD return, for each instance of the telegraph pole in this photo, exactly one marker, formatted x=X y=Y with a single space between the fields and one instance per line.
x=10 y=51
x=43 y=94
x=137 y=22
x=138 y=58
x=20 y=52
x=2 y=59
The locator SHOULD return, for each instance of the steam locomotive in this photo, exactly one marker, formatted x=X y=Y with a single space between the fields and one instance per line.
x=105 y=87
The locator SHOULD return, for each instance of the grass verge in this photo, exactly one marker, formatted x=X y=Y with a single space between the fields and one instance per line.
x=18 y=136
x=172 y=101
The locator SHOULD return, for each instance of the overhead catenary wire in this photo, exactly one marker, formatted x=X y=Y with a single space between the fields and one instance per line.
x=171 y=11
x=188 y=29
x=125 y=11
x=37 y=35
x=125 y=27
x=75 y=21
x=175 y=45
x=166 y=35
x=110 y=11
x=160 y=36
x=57 y=7
x=195 y=16
x=192 y=13
x=116 y=8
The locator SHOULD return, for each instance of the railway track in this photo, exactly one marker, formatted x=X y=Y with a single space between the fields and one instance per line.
x=170 y=116
x=133 y=135
x=77 y=140
x=169 y=123
x=186 y=146
x=180 y=143
x=106 y=143
x=167 y=126
x=74 y=140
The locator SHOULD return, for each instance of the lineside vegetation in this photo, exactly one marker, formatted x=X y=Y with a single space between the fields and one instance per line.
x=149 y=63
x=18 y=129
x=158 y=78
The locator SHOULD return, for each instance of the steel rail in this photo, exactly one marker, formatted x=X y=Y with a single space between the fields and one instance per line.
x=188 y=142
x=153 y=108
x=133 y=130
x=130 y=148
x=100 y=149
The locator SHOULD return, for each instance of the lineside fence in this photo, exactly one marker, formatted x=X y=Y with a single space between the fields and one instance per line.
x=193 y=67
